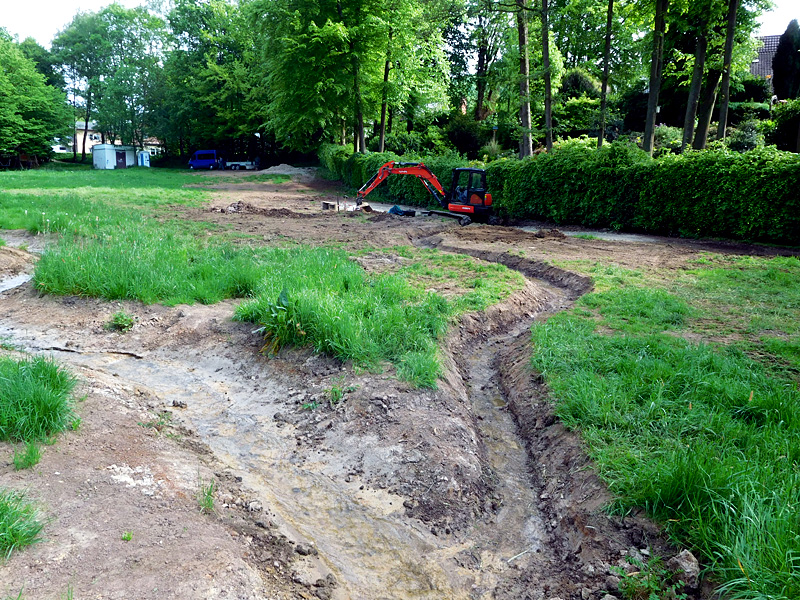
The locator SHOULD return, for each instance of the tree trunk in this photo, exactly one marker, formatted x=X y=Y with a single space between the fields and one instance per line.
x=384 y=100
x=525 y=142
x=480 y=78
x=656 y=67
x=733 y=6
x=86 y=124
x=548 y=86
x=358 y=134
x=700 y=48
x=707 y=102
x=606 y=59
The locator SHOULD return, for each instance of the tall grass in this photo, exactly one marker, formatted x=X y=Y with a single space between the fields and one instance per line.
x=319 y=297
x=34 y=399
x=150 y=265
x=702 y=435
x=19 y=522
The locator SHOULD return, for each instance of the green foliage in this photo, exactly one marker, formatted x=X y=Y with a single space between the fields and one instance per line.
x=787 y=126
x=127 y=536
x=29 y=457
x=701 y=435
x=576 y=116
x=19 y=523
x=121 y=321
x=32 y=113
x=650 y=581
x=577 y=82
x=34 y=399
x=786 y=63
x=205 y=496
x=748 y=196
x=465 y=134
x=745 y=137
x=667 y=140
x=320 y=298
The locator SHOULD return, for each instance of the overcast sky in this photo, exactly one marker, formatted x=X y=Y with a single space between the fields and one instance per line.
x=42 y=19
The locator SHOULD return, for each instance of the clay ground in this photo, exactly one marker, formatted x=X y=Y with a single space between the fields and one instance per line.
x=470 y=491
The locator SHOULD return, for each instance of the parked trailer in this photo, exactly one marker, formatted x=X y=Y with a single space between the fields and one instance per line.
x=241 y=165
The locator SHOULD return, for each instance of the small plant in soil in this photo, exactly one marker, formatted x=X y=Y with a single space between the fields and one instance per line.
x=127 y=536
x=27 y=458
x=163 y=419
x=121 y=321
x=652 y=581
x=205 y=496
x=19 y=523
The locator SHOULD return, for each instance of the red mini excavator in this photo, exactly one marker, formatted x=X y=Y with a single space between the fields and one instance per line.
x=467 y=199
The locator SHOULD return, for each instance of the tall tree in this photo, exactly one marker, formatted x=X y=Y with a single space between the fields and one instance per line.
x=82 y=47
x=32 y=113
x=786 y=63
x=604 y=85
x=526 y=141
x=548 y=82
x=727 y=66
x=656 y=68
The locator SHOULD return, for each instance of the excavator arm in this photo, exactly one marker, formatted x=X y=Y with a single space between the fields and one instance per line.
x=418 y=170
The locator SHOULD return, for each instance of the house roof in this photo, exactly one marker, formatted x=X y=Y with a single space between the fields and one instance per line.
x=82 y=125
x=762 y=65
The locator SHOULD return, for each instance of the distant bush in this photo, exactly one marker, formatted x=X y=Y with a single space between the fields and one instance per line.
x=465 y=134
x=747 y=111
x=576 y=116
x=667 y=140
x=746 y=137
x=577 y=82
x=751 y=89
x=399 y=143
x=786 y=135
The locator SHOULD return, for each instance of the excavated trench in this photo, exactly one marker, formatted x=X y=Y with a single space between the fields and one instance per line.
x=518 y=544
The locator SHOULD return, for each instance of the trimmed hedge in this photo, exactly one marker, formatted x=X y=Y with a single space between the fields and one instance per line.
x=714 y=193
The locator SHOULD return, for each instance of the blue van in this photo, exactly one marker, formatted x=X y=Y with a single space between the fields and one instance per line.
x=205 y=159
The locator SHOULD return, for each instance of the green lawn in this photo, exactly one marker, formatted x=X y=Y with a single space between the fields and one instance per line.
x=111 y=246
x=684 y=385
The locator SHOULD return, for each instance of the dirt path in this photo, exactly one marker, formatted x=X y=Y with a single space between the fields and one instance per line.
x=470 y=491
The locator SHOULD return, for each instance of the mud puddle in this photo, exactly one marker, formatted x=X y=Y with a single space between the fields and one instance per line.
x=361 y=535
x=14 y=282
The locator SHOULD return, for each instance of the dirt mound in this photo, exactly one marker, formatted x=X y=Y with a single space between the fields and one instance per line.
x=247 y=208
x=14 y=261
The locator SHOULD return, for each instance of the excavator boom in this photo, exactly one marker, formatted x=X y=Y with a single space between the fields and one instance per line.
x=418 y=170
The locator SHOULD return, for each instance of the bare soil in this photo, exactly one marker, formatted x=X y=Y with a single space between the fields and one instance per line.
x=473 y=490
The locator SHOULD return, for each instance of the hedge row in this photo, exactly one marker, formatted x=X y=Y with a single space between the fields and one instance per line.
x=714 y=193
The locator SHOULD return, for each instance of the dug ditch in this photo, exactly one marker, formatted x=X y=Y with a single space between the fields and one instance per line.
x=394 y=493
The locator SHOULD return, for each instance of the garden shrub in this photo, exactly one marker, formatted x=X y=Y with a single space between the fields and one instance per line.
x=786 y=135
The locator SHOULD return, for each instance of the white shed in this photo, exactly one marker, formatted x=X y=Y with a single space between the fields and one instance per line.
x=110 y=156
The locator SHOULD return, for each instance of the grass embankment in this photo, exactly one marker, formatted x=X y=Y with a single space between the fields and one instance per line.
x=111 y=247
x=35 y=405
x=320 y=297
x=685 y=388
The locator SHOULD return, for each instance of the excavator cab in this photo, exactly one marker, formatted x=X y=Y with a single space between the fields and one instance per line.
x=468 y=194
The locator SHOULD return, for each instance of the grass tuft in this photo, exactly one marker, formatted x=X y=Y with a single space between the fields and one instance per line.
x=27 y=458
x=35 y=399
x=19 y=522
